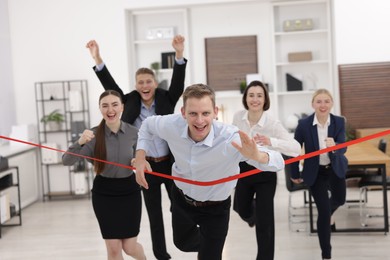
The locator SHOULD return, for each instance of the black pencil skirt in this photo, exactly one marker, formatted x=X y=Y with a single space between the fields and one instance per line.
x=117 y=205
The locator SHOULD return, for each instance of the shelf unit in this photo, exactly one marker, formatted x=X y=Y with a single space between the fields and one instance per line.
x=317 y=73
x=71 y=99
x=10 y=195
x=151 y=33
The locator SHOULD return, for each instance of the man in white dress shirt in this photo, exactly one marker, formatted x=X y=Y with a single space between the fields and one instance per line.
x=204 y=150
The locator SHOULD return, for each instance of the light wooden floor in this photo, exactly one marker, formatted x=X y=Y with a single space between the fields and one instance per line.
x=68 y=230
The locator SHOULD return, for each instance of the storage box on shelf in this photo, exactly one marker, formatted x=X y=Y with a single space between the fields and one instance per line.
x=70 y=99
x=303 y=52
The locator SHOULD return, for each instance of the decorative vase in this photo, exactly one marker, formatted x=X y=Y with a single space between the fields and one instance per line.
x=54 y=126
x=292 y=122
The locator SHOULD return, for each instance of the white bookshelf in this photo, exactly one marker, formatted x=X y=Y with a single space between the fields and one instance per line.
x=316 y=73
x=150 y=34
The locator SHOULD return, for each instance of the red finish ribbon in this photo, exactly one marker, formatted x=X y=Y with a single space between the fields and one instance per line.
x=215 y=182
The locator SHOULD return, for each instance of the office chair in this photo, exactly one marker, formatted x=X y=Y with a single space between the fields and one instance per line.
x=371 y=181
x=362 y=176
x=293 y=188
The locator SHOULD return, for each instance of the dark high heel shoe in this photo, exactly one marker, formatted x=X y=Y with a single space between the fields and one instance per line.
x=252 y=219
x=333 y=227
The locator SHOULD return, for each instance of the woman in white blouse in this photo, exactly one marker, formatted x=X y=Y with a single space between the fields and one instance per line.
x=269 y=132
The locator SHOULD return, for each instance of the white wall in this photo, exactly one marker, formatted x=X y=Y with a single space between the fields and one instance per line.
x=362 y=31
x=48 y=43
x=7 y=99
x=48 y=39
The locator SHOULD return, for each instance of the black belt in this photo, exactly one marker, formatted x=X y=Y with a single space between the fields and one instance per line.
x=196 y=203
x=325 y=167
x=157 y=159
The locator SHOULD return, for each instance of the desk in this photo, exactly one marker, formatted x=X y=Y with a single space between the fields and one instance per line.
x=27 y=159
x=364 y=155
x=363 y=132
x=13 y=171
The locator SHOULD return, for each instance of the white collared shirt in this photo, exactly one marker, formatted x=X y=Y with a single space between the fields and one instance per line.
x=281 y=140
x=211 y=159
x=322 y=135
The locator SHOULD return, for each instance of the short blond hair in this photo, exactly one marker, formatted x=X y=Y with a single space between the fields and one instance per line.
x=321 y=91
x=145 y=71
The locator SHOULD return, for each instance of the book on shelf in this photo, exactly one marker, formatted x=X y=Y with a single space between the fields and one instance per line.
x=5 y=213
x=167 y=60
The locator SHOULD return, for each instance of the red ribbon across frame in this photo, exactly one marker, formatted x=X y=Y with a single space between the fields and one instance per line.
x=219 y=181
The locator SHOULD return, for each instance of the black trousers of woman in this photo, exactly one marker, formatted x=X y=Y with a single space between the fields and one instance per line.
x=152 y=197
x=329 y=193
x=263 y=185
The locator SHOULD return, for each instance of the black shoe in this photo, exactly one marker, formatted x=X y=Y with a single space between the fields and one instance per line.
x=166 y=257
x=251 y=221
x=333 y=227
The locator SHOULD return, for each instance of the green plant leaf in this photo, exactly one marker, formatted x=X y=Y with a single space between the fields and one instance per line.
x=55 y=116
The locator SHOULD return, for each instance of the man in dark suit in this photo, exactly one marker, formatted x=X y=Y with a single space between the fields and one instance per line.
x=147 y=100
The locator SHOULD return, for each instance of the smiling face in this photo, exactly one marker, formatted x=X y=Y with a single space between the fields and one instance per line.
x=199 y=113
x=111 y=108
x=255 y=99
x=322 y=104
x=146 y=86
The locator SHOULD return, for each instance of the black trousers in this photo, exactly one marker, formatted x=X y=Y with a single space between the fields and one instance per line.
x=329 y=193
x=263 y=185
x=152 y=197
x=200 y=229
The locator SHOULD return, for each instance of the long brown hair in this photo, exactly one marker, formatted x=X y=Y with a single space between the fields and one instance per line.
x=100 y=145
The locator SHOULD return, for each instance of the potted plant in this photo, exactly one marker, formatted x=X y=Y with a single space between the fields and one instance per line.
x=155 y=66
x=54 y=120
x=242 y=86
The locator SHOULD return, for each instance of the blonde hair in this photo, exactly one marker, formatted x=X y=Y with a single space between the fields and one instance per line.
x=321 y=91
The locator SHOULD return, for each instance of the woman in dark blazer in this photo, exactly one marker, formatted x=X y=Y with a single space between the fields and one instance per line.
x=323 y=174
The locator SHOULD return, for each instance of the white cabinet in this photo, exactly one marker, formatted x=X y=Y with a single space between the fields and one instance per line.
x=315 y=73
x=150 y=35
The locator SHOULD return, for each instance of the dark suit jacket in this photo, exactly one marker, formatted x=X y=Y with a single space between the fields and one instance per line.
x=307 y=134
x=165 y=100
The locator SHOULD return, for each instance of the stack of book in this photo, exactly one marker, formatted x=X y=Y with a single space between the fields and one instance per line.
x=167 y=60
